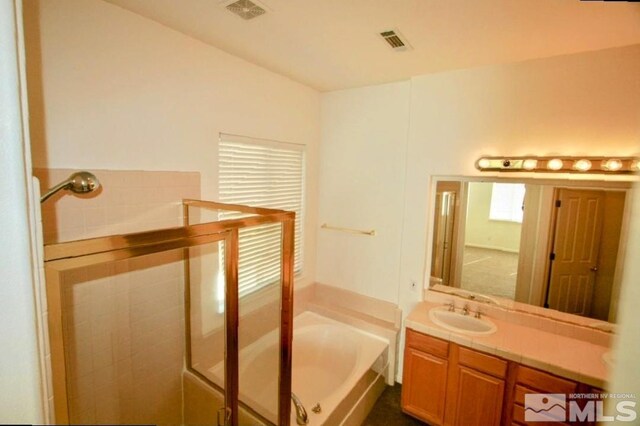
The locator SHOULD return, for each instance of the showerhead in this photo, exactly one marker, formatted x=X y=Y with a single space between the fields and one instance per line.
x=79 y=183
x=82 y=182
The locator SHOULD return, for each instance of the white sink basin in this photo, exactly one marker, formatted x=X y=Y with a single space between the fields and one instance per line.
x=464 y=324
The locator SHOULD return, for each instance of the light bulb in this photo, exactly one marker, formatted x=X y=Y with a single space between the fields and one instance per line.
x=484 y=163
x=613 y=165
x=582 y=165
x=635 y=166
x=529 y=164
x=555 y=164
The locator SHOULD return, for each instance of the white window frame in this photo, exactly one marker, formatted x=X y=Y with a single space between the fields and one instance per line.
x=253 y=154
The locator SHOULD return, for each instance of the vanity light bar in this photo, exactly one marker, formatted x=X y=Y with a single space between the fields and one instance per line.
x=608 y=165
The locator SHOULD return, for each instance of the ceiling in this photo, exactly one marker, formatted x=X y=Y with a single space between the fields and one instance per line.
x=334 y=44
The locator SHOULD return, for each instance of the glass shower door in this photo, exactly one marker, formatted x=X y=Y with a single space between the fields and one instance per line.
x=122 y=306
x=259 y=327
x=117 y=330
x=242 y=304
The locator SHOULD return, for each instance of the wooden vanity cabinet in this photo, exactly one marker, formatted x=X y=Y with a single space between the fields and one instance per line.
x=523 y=380
x=445 y=384
x=476 y=388
x=424 y=383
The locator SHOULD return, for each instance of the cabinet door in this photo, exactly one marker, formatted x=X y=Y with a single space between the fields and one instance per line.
x=478 y=398
x=424 y=386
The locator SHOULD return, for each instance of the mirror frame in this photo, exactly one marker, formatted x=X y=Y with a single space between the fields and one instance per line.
x=623 y=183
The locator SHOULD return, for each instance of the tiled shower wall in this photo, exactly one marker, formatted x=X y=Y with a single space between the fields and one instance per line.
x=124 y=321
x=128 y=201
x=124 y=331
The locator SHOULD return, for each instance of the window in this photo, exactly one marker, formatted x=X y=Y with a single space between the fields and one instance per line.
x=269 y=174
x=507 y=202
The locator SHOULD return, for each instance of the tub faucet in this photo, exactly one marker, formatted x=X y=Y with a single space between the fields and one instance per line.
x=301 y=413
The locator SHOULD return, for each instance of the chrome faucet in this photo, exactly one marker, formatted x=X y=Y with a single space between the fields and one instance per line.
x=465 y=310
x=301 y=413
x=452 y=306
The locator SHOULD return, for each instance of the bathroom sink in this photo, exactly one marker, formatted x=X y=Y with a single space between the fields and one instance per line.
x=465 y=324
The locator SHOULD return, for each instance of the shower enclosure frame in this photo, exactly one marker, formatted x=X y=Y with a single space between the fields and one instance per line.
x=61 y=257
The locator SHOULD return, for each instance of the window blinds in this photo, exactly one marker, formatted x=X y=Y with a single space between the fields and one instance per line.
x=269 y=174
x=507 y=202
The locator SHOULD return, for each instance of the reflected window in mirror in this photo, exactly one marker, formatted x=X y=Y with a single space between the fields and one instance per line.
x=493 y=225
x=507 y=202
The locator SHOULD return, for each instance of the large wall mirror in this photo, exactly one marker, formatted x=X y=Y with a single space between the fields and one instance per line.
x=551 y=243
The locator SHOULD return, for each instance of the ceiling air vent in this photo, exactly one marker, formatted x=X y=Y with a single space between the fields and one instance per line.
x=246 y=9
x=395 y=40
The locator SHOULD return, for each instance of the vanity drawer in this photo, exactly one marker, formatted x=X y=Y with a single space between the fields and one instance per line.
x=482 y=362
x=518 y=418
x=519 y=393
x=428 y=344
x=544 y=382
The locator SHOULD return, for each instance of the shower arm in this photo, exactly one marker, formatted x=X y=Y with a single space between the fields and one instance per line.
x=52 y=191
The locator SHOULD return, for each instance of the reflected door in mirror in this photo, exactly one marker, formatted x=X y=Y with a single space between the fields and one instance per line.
x=444 y=241
x=576 y=249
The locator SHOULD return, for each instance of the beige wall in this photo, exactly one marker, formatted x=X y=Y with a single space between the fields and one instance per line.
x=480 y=231
x=582 y=104
x=110 y=89
x=363 y=154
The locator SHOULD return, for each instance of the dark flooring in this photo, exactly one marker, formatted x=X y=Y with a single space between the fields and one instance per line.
x=387 y=411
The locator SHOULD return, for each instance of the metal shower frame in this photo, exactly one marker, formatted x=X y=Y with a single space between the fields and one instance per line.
x=61 y=257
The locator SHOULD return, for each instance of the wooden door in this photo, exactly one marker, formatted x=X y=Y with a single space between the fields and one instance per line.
x=476 y=388
x=576 y=243
x=424 y=386
x=478 y=398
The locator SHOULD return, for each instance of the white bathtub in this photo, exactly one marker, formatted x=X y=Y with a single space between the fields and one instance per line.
x=331 y=362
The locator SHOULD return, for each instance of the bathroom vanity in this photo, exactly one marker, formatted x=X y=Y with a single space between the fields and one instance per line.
x=456 y=379
x=524 y=282
x=445 y=381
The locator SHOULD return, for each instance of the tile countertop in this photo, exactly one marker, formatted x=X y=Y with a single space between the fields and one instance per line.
x=563 y=356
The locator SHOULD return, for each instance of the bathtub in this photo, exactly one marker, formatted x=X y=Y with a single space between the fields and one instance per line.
x=334 y=366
